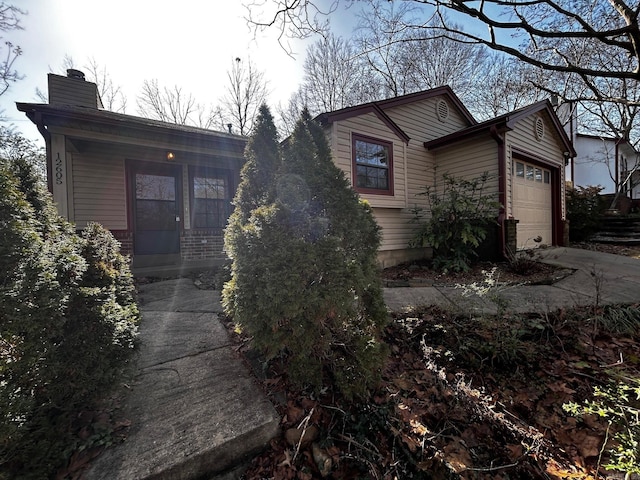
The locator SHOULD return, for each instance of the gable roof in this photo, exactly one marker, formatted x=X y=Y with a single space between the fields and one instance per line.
x=503 y=123
x=379 y=107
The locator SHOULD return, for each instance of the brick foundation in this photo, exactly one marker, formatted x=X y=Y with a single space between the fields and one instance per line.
x=202 y=245
x=511 y=235
x=125 y=238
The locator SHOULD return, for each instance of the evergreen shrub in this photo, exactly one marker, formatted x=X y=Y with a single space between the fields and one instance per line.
x=305 y=281
x=585 y=207
x=67 y=324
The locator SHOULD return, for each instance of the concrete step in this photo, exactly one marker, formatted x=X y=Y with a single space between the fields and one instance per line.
x=615 y=239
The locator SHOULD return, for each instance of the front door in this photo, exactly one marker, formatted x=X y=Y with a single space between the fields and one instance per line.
x=156 y=210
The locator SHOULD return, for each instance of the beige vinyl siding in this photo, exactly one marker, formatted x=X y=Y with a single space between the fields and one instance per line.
x=420 y=121
x=99 y=191
x=413 y=164
x=549 y=148
x=470 y=160
x=397 y=231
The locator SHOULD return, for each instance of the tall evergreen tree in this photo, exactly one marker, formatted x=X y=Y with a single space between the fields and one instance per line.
x=305 y=281
x=262 y=155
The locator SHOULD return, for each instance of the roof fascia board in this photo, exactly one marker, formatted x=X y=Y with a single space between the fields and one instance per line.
x=545 y=105
x=480 y=128
x=504 y=123
x=51 y=116
x=380 y=113
x=425 y=94
x=382 y=105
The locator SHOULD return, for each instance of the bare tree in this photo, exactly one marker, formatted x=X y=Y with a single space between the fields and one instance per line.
x=246 y=91
x=336 y=76
x=9 y=53
x=112 y=96
x=502 y=85
x=380 y=40
x=564 y=36
x=409 y=60
x=173 y=105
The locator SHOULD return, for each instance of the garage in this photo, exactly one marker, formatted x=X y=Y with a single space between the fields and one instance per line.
x=532 y=204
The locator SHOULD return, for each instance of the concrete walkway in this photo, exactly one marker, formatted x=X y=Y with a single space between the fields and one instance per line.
x=195 y=410
x=612 y=278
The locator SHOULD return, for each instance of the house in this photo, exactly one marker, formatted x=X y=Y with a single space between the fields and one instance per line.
x=392 y=149
x=163 y=190
x=606 y=161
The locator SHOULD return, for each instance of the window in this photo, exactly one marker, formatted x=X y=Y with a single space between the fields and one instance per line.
x=372 y=164
x=538 y=175
x=519 y=169
x=547 y=176
x=530 y=172
x=210 y=197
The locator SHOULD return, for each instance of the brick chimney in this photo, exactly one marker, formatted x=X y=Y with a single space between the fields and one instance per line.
x=73 y=90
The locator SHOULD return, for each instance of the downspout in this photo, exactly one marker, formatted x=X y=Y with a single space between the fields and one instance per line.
x=502 y=187
x=37 y=119
x=616 y=182
x=617 y=168
x=573 y=116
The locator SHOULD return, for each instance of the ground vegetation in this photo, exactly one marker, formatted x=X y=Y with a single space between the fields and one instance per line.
x=474 y=397
x=67 y=328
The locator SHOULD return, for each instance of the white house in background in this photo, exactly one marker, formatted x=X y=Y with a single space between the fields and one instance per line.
x=600 y=160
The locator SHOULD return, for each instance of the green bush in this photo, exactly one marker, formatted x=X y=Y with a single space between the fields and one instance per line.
x=618 y=404
x=584 y=209
x=67 y=324
x=304 y=281
x=458 y=219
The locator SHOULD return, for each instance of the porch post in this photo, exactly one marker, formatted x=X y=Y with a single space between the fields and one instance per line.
x=59 y=174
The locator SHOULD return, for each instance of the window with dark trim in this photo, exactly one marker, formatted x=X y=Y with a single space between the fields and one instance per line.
x=372 y=165
x=210 y=199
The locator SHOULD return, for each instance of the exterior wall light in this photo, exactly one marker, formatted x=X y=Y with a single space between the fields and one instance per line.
x=171 y=156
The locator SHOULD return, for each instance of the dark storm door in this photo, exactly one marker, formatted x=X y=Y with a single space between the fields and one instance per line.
x=156 y=211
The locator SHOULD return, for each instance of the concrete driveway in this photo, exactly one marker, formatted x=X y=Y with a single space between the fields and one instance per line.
x=597 y=277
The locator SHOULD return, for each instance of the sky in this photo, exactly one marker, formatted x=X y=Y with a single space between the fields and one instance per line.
x=190 y=43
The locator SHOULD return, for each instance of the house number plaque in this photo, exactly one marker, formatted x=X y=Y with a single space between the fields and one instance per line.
x=58 y=169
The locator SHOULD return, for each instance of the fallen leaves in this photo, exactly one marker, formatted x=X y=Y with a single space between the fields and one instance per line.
x=447 y=408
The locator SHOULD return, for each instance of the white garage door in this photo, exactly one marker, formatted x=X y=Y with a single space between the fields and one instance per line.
x=532 y=204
